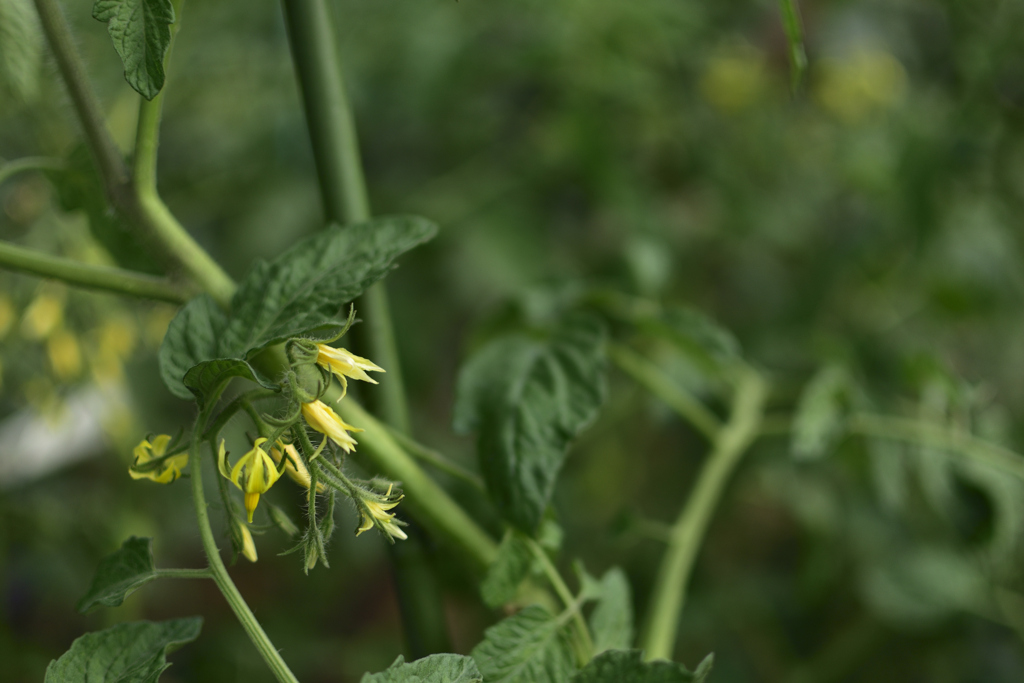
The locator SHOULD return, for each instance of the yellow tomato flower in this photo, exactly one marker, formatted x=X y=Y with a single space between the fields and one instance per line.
x=42 y=316
x=259 y=470
x=147 y=452
x=324 y=420
x=344 y=364
x=375 y=513
x=294 y=467
x=65 y=354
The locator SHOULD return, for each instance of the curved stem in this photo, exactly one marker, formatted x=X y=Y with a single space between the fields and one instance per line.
x=688 y=532
x=103 y=278
x=220 y=573
x=13 y=168
x=652 y=378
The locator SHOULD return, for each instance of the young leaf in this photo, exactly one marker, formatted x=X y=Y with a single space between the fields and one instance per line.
x=208 y=375
x=528 y=647
x=120 y=574
x=528 y=399
x=141 y=31
x=442 y=668
x=819 y=416
x=134 y=652
x=612 y=620
x=302 y=292
x=507 y=571
x=627 y=666
x=192 y=337
x=21 y=47
x=698 y=336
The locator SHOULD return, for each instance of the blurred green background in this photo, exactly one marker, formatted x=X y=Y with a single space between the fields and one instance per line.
x=870 y=220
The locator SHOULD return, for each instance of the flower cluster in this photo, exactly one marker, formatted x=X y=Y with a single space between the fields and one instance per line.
x=151 y=462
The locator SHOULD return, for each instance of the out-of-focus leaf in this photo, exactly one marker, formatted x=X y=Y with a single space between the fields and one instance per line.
x=120 y=574
x=141 y=32
x=818 y=423
x=528 y=399
x=701 y=338
x=612 y=620
x=135 y=652
x=440 y=668
x=21 y=48
x=889 y=472
x=628 y=666
x=528 y=647
x=507 y=571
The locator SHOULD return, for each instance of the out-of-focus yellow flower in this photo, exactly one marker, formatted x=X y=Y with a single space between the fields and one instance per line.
x=294 y=467
x=6 y=315
x=260 y=473
x=146 y=452
x=374 y=513
x=320 y=417
x=117 y=336
x=734 y=80
x=344 y=364
x=869 y=79
x=43 y=316
x=65 y=354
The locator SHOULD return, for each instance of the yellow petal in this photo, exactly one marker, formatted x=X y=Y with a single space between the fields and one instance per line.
x=222 y=460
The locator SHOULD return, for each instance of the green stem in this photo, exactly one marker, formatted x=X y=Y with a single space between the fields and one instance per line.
x=436 y=459
x=184 y=573
x=688 y=532
x=13 y=168
x=566 y=596
x=104 y=151
x=219 y=571
x=653 y=378
x=107 y=279
x=424 y=498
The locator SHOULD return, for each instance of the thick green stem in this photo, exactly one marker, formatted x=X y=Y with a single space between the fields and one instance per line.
x=93 y=277
x=220 y=573
x=688 y=532
x=652 y=378
x=437 y=460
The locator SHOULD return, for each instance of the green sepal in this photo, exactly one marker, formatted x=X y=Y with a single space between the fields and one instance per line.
x=120 y=574
x=134 y=652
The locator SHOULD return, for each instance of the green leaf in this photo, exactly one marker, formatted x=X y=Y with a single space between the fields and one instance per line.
x=302 y=293
x=696 y=334
x=120 y=574
x=612 y=621
x=441 y=668
x=818 y=423
x=507 y=571
x=141 y=31
x=208 y=375
x=135 y=652
x=21 y=48
x=528 y=647
x=627 y=666
x=192 y=338
x=528 y=399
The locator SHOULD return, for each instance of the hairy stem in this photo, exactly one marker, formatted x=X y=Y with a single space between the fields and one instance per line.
x=13 y=168
x=115 y=280
x=184 y=573
x=219 y=571
x=652 y=378
x=688 y=532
